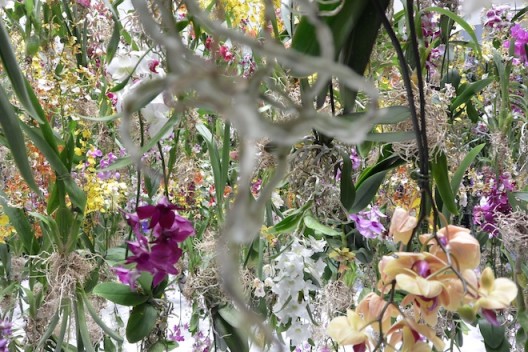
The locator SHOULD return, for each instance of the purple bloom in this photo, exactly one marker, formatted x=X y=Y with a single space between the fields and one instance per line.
x=94 y=153
x=177 y=335
x=5 y=332
x=497 y=17
x=493 y=203
x=168 y=229
x=179 y=231
x=368 y=222
x=162 y=213
x=126 y=276
x=520 y=35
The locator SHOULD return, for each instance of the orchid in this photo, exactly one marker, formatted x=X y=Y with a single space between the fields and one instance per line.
x=349 y=331
x=368 y=222
x=402 y=225
x=159 y=256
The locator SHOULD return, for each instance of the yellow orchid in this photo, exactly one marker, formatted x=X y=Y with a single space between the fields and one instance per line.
x=458 y=241
x=495 y=293
x=402 y=225
x=348 y=330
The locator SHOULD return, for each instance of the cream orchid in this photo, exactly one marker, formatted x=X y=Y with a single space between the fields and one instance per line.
x=349 y=330
x=371 y=307
x=402 y=225
x=458 y=241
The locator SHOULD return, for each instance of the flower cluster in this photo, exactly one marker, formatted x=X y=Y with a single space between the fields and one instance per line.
x=493 y=203
x=293 y=290
x=498 y=17
x=520 y=38
x=444 y=277
x=5 y=332
x=368 y=222
x=158 y=256
x=104 y=189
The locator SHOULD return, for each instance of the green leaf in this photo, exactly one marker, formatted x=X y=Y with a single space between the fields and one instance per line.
x=119 y=294
x=82 y=327
x=111 y=49
x=341 y=24
x=469 y=91
x=366 y=192
x=230 y=334
x=12 y=68
x=464 y=165
x=521 y=196
x=290 y=222
x=314 y=224
x=358 y=46
x=347 y=191
x=441 y=177
x=19 y=221
x=108 y=331
x=15 y=139
x=384 y=164
x=494 y=337
x=390 y=137
x=141 y=322
x=466 y=26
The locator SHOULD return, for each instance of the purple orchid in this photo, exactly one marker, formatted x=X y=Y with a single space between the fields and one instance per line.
x=126 y=276
x=493 y=203
x=368 y=222
x=162 y=213
x=520 y=37
x=160 y=255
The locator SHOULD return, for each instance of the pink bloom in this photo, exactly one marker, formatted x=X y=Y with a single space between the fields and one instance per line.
x=85 y=3
x=520 y=35
x=226 y=53
x=153 y=65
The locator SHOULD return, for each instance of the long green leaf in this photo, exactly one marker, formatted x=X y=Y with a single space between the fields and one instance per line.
x=15 y=139
x=441 y=177
x=77 y=195
x=456 y=180
x=469 y=92
x=347 y=191
x=358 y=46
x=119 y=294
x=82 y=327
x=113 y=334
x=366 y=192
x=12 y=68
x=19 y=221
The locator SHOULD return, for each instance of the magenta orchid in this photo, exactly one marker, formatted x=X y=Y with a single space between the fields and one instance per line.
x=159 y=256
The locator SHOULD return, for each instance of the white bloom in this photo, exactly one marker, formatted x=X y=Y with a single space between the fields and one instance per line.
x=259 y=288
x=276 y=199
x=268 y=270
x=299 y=333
